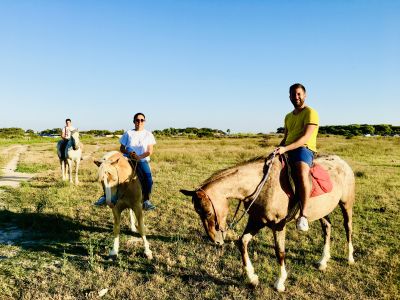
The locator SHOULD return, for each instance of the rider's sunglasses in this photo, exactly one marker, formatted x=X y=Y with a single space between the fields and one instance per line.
x=139 y=120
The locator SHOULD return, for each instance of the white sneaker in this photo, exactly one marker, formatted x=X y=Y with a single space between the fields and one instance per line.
x=302 y=224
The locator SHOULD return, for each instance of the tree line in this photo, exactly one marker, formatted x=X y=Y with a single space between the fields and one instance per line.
x=345 y=130
x=357 y=130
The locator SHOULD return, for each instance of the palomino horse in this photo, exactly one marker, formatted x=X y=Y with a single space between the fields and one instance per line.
x=272 y=208
x=121 y=184
x=72 y=154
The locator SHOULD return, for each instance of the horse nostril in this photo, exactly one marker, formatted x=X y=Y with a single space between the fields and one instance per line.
x=219 y=243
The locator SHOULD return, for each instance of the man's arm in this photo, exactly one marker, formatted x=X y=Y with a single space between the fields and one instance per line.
x=63 y=133
x=308 y=131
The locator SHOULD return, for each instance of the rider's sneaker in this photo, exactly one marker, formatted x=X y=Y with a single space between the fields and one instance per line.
x=147 y=205
x=302 y=224
x=101 y=201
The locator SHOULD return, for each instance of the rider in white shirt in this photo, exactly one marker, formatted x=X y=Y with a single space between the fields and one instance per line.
x=66 y=136
x=138 y=144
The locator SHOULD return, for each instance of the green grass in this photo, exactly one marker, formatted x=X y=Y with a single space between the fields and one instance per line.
x=60 y=243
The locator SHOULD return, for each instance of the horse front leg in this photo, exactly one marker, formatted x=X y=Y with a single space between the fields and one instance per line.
x=62 y=165
x=133 y=221
x=117 y=224
x=141 y=229
x=251 y=230
x=326 y=253
x=279 y=238
x=70 y=170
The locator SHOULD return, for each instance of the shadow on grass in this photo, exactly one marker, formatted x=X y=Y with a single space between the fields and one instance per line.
x=53 y=233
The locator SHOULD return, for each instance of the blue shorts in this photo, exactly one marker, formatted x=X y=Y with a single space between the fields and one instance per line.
x=301 y=154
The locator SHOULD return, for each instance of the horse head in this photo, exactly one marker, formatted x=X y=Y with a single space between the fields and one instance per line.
x=108 y=176
x=75 y=139
x=206 y=209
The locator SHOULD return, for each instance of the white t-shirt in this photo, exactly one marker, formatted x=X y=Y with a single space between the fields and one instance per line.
x=137 y=141
x=67 y=132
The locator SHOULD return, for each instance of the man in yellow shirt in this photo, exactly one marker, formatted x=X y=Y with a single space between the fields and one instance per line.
x=300 y=143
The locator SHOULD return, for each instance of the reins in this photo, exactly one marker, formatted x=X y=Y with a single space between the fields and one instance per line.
x=257 y=192
x=255 y=195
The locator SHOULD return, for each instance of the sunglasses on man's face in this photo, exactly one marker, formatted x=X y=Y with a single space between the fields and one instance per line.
x=139 y=120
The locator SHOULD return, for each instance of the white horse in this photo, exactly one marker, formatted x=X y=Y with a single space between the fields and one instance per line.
x=73 y=154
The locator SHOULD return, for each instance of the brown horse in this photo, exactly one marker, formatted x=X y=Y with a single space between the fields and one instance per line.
x=121 y=184
x=272 y=206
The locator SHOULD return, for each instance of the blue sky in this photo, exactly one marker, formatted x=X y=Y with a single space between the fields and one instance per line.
x=218 y=64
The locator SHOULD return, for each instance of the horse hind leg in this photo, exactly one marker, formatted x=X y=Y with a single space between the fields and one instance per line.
x=77 y=162
x=326 y=253
x=348 y=226
x=141 y=230
x=251 y=230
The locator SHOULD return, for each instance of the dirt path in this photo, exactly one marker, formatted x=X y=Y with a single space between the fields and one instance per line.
x=10 y=177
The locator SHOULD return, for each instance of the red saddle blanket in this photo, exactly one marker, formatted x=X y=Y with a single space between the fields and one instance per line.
x=321 y=182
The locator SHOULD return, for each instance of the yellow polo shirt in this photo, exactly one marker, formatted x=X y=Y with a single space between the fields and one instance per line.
x=295 y=124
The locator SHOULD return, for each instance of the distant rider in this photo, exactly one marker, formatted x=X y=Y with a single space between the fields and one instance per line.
x=66 y=136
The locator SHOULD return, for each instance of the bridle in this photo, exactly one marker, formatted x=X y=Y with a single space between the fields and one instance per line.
x=217 y=224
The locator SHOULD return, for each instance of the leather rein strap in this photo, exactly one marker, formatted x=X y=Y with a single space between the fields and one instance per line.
x=254 y=197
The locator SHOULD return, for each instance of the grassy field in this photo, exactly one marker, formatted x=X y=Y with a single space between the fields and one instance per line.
x=54 y=244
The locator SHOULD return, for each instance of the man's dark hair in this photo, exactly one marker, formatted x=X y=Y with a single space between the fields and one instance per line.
x=138 y=114
x=295 y=86
x=66 y=120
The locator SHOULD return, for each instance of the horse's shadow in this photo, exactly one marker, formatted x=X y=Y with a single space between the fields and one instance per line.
x=53 y=233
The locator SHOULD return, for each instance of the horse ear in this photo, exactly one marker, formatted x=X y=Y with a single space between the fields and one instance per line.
x=97 y=162
x=188 y=193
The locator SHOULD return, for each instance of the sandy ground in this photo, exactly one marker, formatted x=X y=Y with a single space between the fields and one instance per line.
x=10 y=177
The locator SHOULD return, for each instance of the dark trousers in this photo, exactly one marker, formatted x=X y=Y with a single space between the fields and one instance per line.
x=63 y=145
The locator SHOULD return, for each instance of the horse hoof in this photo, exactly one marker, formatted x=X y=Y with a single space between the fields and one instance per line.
x=351 y=261
x=322 y=267
x=113 y=253
x=254 y=281
x=280 y=287
x=149 y=255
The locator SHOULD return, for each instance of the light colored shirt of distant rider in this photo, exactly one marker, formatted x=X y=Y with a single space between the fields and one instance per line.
x=66 y=134
x=137 y=141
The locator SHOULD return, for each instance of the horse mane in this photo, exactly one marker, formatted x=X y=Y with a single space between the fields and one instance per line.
x=105 y=163
x=230 y=170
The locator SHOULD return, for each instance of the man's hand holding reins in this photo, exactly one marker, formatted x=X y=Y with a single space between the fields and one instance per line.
x=280 y=150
